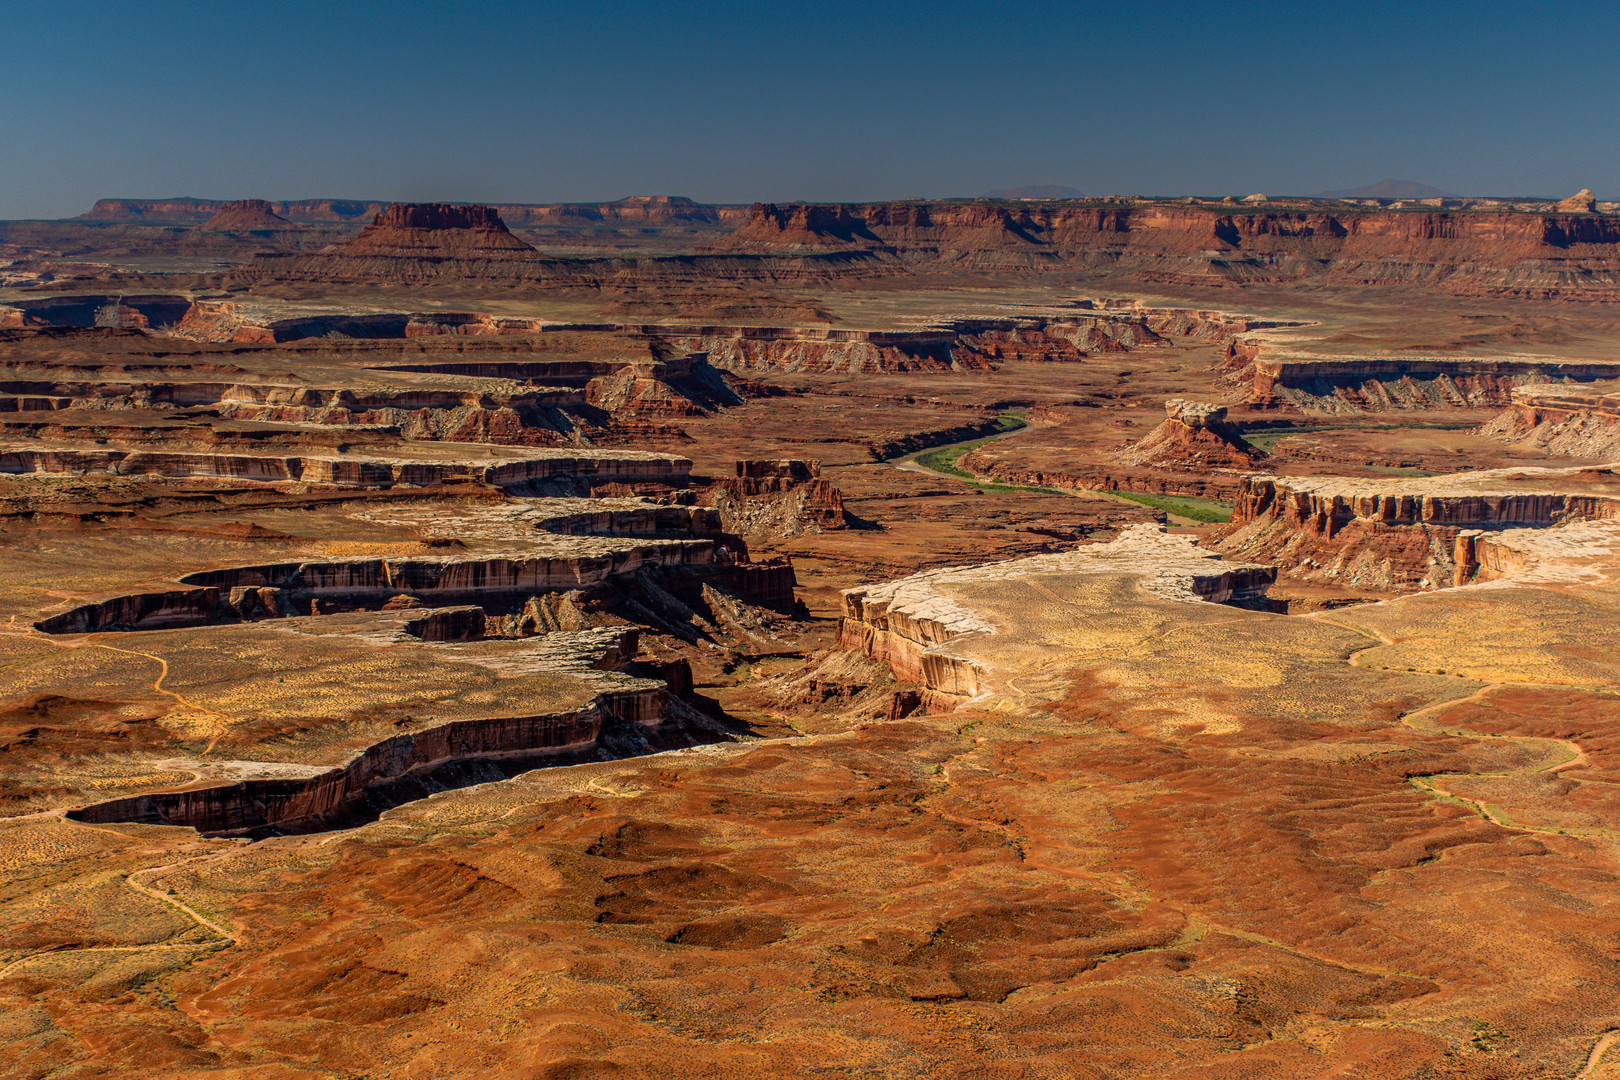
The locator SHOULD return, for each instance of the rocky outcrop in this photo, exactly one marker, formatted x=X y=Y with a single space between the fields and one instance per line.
x=436 y=231
x=465 y=623
x=1195 y=436
x=1571 y=421
x=910 y=624
x=778 y=498
x=1582 y=202
x=1147 y=480
x=246 y=215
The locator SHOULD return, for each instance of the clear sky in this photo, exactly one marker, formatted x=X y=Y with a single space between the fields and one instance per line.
x=737 y=102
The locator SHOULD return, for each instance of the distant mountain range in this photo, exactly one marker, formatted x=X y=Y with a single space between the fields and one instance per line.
x=1034 y=191
x=1388 y=189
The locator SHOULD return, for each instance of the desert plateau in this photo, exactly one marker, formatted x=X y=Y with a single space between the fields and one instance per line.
x=1017 y=637
x=1114 y=638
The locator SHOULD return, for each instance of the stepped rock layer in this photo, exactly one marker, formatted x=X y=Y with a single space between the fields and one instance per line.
x=329 y=799
x=1571 y=421
x=573 y=469
x=1402 y=534
x=911 y=623
x=1348 y=384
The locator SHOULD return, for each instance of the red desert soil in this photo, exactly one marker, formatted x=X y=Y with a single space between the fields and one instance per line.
x=405 y=671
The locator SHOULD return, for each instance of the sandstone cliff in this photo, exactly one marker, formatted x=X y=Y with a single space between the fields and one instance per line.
x=1472 y=252
x=1399 y=535
x=1275 y=377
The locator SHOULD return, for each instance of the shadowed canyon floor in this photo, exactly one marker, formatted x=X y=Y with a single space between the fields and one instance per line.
x=1009 y=664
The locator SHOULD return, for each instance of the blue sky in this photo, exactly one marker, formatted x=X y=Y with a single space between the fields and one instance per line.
x=736 y=102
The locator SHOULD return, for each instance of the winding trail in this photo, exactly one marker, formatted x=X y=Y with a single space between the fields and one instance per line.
x=158 y=687
x=222 y=934
x=1596 y=1057
x=1420 y=720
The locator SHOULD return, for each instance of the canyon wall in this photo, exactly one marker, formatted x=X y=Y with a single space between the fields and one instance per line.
x=564 y=472
x=1569 y=421
x=1399 y=538
x=391 y=771
x=1332 y=384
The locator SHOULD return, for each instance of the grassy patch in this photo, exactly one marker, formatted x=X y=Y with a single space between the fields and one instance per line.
x=944 y=459
x=1184 y=506
x=1011 y=421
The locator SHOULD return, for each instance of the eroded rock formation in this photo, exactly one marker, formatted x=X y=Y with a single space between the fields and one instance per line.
x=405 y=766
x=1196 y=436
x=1399 y=535
x=436 y=231
x=1579 y=422
x=780 y=498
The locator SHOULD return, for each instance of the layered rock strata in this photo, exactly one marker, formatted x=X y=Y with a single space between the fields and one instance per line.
x=521 y=403
x=338 y=796
x=911 y=623
x=658 y=539
x=1348 y=384
x=1578 y=422
x=1561 y=253
x=555 y=471
x=1401 y=534
x=306 y=588
x=783 y=498
x=435 y=231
